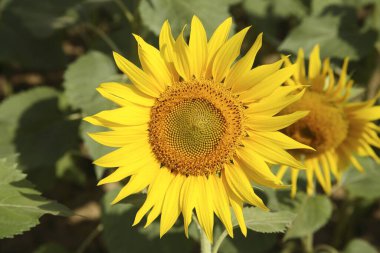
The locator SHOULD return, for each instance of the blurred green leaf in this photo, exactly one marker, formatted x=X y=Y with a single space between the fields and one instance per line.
x=21 y=206
x=120 y=236
x=359 y=246
x=68 y=169
x=20 y=47
x=51 y=247
x=36 y=128
x=179 y=13
x=254 y=243
x=42 y=18
x=83 y=76
x=338 y=36
x=363 y=184
x=266 y=222
x=283 y=8
x=312 y=213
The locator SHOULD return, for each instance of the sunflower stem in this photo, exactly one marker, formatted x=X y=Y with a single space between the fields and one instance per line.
x=308 y=243
x=219 y=242
x=204 y=241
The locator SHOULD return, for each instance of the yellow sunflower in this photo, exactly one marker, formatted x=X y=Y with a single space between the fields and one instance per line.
x=197 y=128
x=337 y=129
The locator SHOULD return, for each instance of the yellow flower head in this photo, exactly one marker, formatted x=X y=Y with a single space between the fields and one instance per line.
x=197 y=128
x=336 y=128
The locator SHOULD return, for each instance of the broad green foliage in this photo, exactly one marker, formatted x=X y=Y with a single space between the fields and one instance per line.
x=179 y=13
x=120 y=236
x=266 y=222
x=36 y=127
x=83 y=77
x=338 y=37
x=312 y=213
x=359 y=246
x=21 y=206
x=366 y=184
x=42 y=18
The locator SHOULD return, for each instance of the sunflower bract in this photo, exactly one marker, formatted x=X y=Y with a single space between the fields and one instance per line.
x=196 y=127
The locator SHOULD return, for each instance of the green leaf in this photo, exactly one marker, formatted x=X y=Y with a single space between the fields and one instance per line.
x=338 y=36
x=68 y=169
x=312 y=213
x=34 y=126
x=363 y=184
x=179 y=13
x=120 y=236
x=20 y=47
x=83 y=77
x=21 y=206
x=42 y=18
x=359 y=246
x=266 y=222
x=51 y=247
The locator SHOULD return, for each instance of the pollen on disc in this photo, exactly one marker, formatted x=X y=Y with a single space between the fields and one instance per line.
x=195 y=127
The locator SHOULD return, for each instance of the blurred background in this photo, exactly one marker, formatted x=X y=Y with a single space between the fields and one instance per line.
x=54 y=53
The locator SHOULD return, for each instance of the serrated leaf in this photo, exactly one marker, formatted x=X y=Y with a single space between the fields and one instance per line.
x=363 y=184
x=179 y=13
x=338 y=37
x=83 y=77
x=312 y=213
x=34 y=126
x=21 y=206
x=359 y=246
x=120 y=236
x=266 y=222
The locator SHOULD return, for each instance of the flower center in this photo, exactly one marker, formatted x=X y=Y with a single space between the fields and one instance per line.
x=324 y=128
x=195 y=127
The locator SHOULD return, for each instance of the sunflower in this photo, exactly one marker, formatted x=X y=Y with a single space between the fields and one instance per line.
x=195 y=128
x=337 y=129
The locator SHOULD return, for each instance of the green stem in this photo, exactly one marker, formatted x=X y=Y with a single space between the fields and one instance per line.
x=128 y=14
x=103 y=36
x=205 y=243
x=88 y=240
x=219 y=242
x=308 y=243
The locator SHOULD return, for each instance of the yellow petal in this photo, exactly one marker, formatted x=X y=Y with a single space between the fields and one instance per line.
x=125 y=155
x=198 y=47
x=265 y=123
x=244 y=65
x=220 y=202
x=182 y=57
x=279 y=139
x=132 y=168
x=156 y=193
x=268 y=85
x=255 y=76
x=143 y=81
x=217 y=40
x=170 y=207
x=204 y=207
x=188 y=198
x=227 y=55
x=130 y=115
x=123 y=94
x=294 y=182
x=153 y=64
x=137 y=183
x=276 y=101
x=121 y=138
x=166 y=42
x=314 y=63
x=240 y=185
x=257 y=168
x=237 y=206
x=271 y=152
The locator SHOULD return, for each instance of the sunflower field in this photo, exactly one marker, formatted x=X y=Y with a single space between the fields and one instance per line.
x=191 y=126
